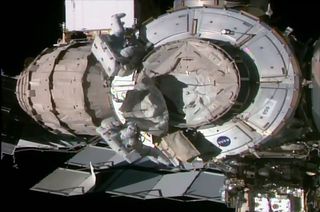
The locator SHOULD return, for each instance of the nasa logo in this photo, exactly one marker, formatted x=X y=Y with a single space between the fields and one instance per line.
x=224 y=141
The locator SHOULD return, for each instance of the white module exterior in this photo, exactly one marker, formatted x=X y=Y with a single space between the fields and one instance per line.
x=85 y=15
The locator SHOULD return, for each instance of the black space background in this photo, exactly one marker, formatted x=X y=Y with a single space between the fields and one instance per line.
x=27 y=27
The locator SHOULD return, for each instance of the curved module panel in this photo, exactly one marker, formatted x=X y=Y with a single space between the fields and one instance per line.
x=316 y=84
x=204 y=80
x=63 y=90
x=278 y=71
